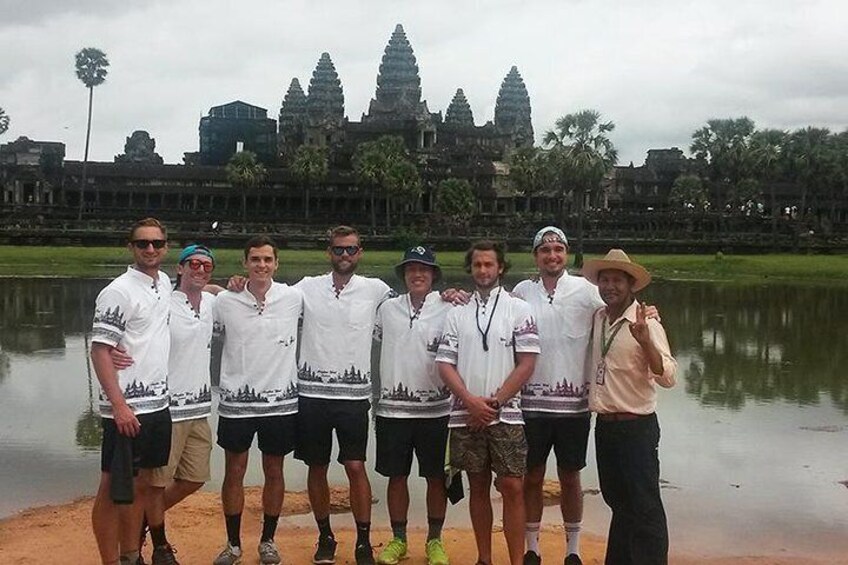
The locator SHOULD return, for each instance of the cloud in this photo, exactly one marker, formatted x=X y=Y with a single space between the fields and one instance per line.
x=659 y=69
x=36 y=12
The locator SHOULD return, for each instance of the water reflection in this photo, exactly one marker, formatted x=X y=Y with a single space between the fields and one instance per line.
x=89 y=432
x=760 y=377
x=761 y=343
x=5 y=365
x=37 y=314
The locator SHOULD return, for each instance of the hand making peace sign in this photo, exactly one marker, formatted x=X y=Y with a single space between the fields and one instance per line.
x=639 y=328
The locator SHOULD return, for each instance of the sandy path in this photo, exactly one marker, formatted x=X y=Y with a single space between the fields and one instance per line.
x=196 y=528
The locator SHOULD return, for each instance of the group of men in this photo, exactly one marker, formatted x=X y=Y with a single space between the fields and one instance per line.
x=495 y=379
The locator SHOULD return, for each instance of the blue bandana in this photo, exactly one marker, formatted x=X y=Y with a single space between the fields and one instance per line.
x=195 y=249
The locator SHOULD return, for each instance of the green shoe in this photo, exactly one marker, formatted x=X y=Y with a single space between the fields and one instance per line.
x=394 y=552
x=436 y=554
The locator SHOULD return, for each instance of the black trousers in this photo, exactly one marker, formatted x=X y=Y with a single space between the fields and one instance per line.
x=629 y=473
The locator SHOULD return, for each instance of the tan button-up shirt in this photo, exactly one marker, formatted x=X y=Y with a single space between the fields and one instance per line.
x=622 y=380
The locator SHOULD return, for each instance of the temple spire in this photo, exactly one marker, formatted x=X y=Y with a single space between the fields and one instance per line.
x=398 y=81
x=293 y=108
x=512 y=110
x=459 y=112
x=325 y=101
x=398 y=93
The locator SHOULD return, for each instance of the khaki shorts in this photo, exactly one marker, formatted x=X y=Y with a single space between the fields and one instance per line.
x=501 y=448
x=191 y=447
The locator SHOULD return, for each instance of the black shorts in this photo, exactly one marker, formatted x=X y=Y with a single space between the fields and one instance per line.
x=569 y=436
x=316 y=420
x=276 y=433
x=151 y=447
x=398 y=437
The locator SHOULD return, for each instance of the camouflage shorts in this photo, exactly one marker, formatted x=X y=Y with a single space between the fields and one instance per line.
x=501 y=448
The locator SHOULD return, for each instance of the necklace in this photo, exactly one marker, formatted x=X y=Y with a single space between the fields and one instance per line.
x=414 y=313
x=485 y=333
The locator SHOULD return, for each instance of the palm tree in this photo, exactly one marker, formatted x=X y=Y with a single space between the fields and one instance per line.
x=689 y=195
x=582 y=154
x=455 y=202
x=4 y=121
x=721 y=148
x=373 y=162
x=808 y=158
x=245 y=172
x=91 y=66
x=530 y=173
x=766 y=152
x=404 y=182
x=310 y=167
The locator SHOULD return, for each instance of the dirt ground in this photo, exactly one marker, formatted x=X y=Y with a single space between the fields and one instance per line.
x=196 y=529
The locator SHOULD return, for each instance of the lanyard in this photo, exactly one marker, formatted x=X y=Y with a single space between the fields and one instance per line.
x=607 y=343
x=485 y=334
x=414 y=313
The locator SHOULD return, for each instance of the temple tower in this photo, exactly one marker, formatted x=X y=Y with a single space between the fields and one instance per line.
x=397 y=106
x=324 y=104
x=293 y=108
x=398 y=83
x=459 y=112
x=512 y=110
x=292 y=118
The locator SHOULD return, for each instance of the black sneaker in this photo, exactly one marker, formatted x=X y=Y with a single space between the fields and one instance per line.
x=164 y=555
x=532 y=558
x=326 y=552
x=364 y=554
x=573 y=559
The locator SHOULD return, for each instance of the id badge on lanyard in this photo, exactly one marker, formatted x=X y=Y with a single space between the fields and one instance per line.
x=601 y=372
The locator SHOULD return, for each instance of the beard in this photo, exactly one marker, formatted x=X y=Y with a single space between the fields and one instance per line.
x=343 y=268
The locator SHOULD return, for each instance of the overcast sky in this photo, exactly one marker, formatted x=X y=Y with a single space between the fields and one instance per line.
x=657 y=68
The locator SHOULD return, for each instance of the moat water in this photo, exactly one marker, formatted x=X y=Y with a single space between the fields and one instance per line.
x=754 y=449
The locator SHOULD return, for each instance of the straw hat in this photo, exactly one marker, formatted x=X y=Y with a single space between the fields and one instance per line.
x=617 y=259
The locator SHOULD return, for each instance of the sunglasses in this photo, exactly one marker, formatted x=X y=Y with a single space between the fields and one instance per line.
x=339 y=250
x=143 y=243
x=197 y=264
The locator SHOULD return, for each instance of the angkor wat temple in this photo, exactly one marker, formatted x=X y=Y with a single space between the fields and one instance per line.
x=442 y=146
x=317 y=117
x=36 y=181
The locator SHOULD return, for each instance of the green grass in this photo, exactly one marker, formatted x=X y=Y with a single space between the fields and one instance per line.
x=107 y=262
x=748 y=268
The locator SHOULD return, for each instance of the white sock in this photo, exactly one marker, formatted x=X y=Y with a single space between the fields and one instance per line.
x=531 y=536
x=572 y=537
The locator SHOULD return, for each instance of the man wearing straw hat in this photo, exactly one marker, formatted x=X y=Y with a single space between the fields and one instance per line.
x=414 y=404
x=626 y=368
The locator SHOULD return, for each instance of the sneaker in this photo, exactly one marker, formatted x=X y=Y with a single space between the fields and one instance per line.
x=164 y=555
x=436 y=554
x=326 y=552
x=394 y=551
x=268 y=554
x=364 y=554
x=573 y=559
x=532 y=558
x=124 y=560
x=231 y=555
